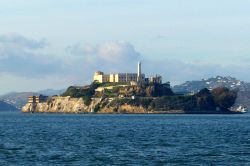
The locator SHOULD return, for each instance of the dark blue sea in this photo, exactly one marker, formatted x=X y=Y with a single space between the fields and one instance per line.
x=63 y=139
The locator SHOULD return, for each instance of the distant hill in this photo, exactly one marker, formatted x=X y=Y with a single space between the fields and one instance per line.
x=211 y=83
x=219 y=81
x=51 y=92
x=7 y=107
x=19 y=99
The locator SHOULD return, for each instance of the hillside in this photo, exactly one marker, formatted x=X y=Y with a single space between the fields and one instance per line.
x=211 y=83
x=19 y=99
x=7 y=107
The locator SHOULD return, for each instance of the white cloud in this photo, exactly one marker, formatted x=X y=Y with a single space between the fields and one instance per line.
x=122 y=57
x=20 y=56
x=84 y=59
x=19 y=41
x=118 y=51
x=112 y=52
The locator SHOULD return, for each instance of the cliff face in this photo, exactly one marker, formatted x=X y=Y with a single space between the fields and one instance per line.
x=58 y=105
x=77 y=105
x=125 y=109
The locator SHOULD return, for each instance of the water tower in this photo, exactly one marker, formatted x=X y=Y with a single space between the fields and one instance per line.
x=139 y=71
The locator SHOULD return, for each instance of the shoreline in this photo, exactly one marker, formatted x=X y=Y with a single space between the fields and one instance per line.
x=146 y=113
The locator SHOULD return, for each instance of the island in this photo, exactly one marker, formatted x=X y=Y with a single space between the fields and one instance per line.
x=133 y=93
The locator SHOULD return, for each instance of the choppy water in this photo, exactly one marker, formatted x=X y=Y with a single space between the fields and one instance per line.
x=57 y=139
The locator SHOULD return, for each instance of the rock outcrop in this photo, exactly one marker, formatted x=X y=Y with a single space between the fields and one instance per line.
x=68 y=104
x=58 y=105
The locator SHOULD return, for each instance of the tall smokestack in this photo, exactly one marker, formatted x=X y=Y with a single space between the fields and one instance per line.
x=139 y=71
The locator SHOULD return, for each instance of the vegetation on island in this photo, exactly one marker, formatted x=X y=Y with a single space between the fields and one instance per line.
x=155 y=97
x=224 y=98
x=242 y=88
x=86 y=93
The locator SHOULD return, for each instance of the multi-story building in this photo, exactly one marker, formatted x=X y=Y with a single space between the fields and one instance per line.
x=101 y=77
x=37 y=99
x=125 y=77
x=119 y=77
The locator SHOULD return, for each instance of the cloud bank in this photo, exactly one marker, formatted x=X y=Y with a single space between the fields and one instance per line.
x=123 y=57
x=113 y=52
x=25 y=58
x=19 y=41
x=107 y=57
x=21 y=56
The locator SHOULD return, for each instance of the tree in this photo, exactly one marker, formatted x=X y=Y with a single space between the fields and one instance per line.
x=78 y=92
x=224 y=98
x=205 y=100
x=156 y=90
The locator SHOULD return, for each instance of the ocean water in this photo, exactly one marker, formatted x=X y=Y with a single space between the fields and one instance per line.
x=62 y=139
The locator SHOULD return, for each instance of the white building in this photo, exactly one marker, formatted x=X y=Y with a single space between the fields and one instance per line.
x=125 y=77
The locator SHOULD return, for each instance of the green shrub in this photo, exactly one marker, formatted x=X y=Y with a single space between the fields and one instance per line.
x=87 y=100
x=78 y=92
x=97 y=108
x=224 y=98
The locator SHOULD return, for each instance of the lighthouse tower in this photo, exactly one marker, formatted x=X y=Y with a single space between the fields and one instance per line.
x=139 y=72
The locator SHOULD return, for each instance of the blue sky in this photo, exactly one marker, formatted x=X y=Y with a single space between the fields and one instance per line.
x=54 y=44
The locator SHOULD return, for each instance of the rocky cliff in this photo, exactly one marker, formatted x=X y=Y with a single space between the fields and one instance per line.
x=58 y=105
x=68 y=104
x=157 y=98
